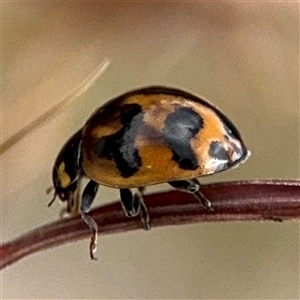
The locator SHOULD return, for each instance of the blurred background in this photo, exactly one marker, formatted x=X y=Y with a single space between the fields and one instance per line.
x=243 y=57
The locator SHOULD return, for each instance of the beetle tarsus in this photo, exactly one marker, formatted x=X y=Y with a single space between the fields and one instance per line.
x=145 y=218
x=93 y=245
x=204 y=201
x=94 y=228
x=192 y=187
x=88 y=197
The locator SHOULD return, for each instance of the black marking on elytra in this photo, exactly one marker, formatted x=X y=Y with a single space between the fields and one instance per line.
x=70 y=155
x=156 y=90
x=180 y=127
x=113 y=105
x=217 y=151
x=120 y=145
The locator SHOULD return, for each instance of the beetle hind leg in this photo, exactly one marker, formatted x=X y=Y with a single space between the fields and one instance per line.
x=193 y=187
x=133 y=205
x=87 y=199
x=144 y=211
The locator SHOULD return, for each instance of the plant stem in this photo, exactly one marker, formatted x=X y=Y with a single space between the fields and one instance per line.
x=236 y=201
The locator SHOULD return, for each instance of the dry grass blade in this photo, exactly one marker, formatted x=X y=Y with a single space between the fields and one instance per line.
x=48 y=115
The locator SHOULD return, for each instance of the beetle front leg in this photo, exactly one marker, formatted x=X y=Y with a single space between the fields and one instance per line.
x=134 y=205
x=87 y=199
x=69 y=195
x=193 y=187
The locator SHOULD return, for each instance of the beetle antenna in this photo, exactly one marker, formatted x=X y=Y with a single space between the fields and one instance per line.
x=52 y=200
x=49 y=190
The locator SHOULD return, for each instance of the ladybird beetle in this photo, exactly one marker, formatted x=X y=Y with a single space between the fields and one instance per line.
x=145 y=137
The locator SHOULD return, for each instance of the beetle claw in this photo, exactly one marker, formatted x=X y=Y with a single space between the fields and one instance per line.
x=204 y=201
x=93 y=245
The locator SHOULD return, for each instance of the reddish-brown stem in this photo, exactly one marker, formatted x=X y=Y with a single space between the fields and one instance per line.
x=246 y=200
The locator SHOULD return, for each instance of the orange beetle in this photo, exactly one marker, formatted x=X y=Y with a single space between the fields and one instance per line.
x=145 y=137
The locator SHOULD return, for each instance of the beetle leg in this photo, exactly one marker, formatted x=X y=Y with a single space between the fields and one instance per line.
x=193 y=187
x=87 y=199
x=131 y=205
x=72 y=198
x=73 y=203
x=144 y=211
x=134 y=205
x=69 y=195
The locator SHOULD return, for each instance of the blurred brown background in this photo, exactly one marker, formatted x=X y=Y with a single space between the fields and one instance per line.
x=243 y=57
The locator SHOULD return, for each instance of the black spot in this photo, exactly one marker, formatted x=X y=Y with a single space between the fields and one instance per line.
x=120 y=146
x=157 y=90
x=102 y=149
x=180 y=127
x=217 y=151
